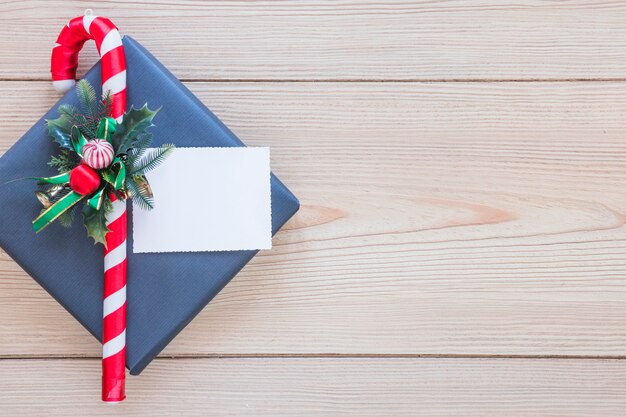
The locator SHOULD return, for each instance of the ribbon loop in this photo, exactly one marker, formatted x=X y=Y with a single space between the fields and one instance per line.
x=106 y=128
x=57 y=179
x=51 y=213
x=95 y=202
x=78 y=140
x=120 y=178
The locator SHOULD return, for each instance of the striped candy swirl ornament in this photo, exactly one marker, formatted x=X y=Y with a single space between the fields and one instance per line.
x=98 y=153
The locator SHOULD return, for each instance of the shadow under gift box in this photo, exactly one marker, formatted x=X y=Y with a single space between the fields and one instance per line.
x=165 y=290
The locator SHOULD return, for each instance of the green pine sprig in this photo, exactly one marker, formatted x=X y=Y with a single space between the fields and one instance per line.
x=152 y=158
x=140 y=191
x=139 y=148
x=64 y=161
x=67 y=218
x=86 y=117
x=87 y=97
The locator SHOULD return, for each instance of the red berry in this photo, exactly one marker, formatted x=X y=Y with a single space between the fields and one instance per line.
x=84 y=179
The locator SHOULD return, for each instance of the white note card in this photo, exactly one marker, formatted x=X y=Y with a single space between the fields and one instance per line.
x=207 y=199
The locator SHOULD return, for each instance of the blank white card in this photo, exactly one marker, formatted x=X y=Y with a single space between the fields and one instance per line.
x=207 y=199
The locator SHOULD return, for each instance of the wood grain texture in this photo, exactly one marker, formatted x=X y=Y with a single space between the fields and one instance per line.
x=324 y=387
x=437 y=218
x=340 y=40
x=460 y=247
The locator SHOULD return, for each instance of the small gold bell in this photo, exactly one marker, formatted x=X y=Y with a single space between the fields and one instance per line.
x=45 y=197
x=143 y=185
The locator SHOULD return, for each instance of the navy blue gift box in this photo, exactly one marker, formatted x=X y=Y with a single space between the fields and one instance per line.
x=165 y=290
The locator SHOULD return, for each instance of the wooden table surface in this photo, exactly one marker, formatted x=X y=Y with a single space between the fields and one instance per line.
x=460 y=250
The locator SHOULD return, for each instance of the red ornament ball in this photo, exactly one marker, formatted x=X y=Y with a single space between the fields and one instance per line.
x=84 y=179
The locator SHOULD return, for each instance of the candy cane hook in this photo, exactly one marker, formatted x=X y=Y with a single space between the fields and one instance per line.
x=113 y=67
x=113 y=63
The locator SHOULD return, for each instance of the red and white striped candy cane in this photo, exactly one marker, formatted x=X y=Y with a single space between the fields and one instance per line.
x=113 y=67
x=112 y=60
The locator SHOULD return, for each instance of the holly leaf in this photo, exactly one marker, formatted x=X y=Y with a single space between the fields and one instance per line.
x=95 y=222
x=135 y=122
x=60 y=130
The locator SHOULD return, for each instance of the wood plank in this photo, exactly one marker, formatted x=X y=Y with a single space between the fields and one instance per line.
x=322 y=387
x=343 y=40
x=461 y=219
